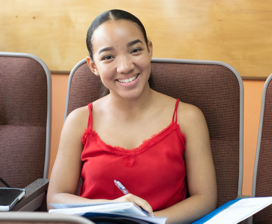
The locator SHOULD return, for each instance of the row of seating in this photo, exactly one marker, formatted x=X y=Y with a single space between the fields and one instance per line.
x=215 y=87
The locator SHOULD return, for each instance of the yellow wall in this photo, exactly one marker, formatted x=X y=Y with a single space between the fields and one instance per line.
x=252 y=105
x=237 y=32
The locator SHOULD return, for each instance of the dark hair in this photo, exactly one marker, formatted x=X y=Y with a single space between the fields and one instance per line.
x=114 y=14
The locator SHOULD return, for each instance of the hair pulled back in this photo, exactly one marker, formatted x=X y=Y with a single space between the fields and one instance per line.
x=114 y=14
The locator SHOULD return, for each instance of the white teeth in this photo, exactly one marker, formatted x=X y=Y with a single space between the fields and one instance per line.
x=127 y=80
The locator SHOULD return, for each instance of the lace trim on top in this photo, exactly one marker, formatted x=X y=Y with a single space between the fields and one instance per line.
x=131 y=153
x=148 y=142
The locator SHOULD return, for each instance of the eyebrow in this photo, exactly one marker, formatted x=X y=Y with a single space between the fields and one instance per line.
x=105 y=49
x=112 y=48
x=134 y=42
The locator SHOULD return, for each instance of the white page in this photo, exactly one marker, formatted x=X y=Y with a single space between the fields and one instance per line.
x=240 y=210
x=80 y=209
x=76 y=205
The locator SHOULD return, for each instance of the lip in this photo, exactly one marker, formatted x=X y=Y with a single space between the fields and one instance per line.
x=128 y=77
x=129 y=84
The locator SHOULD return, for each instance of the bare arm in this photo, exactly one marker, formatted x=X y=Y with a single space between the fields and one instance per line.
x=67 y=167
x=200 y=171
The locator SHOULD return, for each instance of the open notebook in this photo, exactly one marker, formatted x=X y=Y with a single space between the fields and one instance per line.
x=113 y=210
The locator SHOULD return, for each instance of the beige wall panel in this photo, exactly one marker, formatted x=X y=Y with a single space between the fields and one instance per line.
x=238 y=32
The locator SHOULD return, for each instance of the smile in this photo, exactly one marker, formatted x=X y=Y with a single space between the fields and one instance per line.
x=128 y=80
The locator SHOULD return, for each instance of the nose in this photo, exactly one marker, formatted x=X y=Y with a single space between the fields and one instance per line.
x=125 y=65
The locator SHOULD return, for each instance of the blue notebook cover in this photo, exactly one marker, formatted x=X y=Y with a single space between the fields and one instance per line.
x=215 y=212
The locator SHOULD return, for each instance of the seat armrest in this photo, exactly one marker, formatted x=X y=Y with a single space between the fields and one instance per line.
x=35 y=190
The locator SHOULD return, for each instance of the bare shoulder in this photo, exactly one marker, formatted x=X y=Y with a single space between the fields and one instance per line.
x=78 y=112
x=190 y=117
x=165 y=102
x=73 y=129
x=189 y=111
x=186 y=113
x=78 y=118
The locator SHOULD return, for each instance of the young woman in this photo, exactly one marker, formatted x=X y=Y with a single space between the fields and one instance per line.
x=156 y=146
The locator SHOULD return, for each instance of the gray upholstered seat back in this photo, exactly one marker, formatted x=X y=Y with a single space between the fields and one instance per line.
x=262 y=178
x=25 y=101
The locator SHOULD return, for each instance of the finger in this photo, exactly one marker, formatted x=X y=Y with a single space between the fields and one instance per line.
x=143 y=204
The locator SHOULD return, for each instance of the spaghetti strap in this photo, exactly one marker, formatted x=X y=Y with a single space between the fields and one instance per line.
x=90 y=119
x=175 y=116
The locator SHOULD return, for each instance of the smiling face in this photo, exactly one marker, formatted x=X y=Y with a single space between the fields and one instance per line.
x=122 y=58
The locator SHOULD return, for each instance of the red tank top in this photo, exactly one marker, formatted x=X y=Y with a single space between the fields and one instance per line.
x=154 y=171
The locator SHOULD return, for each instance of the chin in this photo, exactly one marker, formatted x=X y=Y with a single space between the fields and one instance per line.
x=133 y=95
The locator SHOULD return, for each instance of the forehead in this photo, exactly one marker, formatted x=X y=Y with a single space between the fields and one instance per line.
x=116 y=31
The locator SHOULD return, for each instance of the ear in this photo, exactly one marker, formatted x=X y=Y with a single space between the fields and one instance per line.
x=92 y=66
x=150 y=49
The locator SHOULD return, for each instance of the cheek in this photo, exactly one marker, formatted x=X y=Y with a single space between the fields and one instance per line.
x=107 y=75
x=106 y=72
x=147 y=67
x=105 y=83
x=104 y=78
x=144 y=63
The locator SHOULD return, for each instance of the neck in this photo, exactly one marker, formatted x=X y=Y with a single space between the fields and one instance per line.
x=131 y=108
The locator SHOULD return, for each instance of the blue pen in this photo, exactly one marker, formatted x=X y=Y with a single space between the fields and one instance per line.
x=125 y=191
x=121 y=187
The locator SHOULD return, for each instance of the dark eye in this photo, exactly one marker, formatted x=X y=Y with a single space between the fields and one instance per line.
x=107 y=57
x=136 y=50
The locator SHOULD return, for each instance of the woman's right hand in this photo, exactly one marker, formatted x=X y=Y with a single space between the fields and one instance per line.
x=143 y=204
